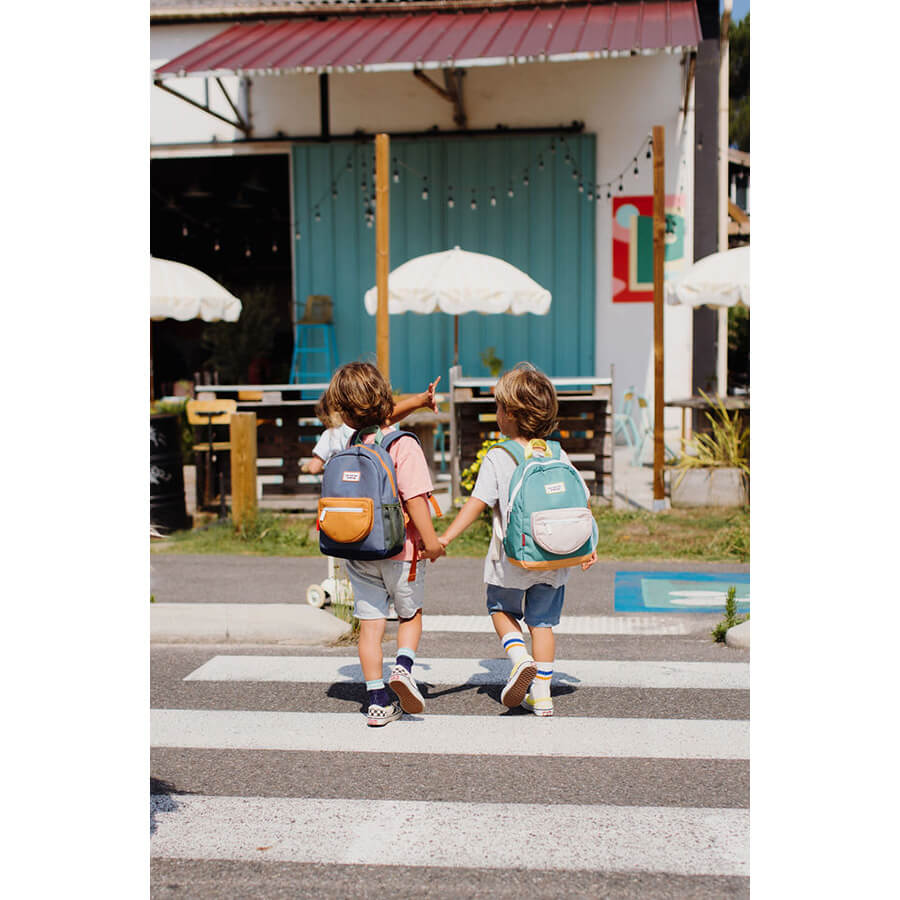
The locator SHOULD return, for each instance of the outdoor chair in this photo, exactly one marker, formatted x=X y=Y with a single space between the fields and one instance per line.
x=210 y=416
x=636 y=424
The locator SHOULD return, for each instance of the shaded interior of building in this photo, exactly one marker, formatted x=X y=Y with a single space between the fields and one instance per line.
x=228 y=216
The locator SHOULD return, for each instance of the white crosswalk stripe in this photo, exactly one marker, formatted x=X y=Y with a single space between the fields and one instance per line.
x=478 y=735
x=583 y=672
x=231 y=714
x=385 y=832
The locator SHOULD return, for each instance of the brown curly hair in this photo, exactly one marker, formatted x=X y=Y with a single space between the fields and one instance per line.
x=360 y=395
x=529 y=399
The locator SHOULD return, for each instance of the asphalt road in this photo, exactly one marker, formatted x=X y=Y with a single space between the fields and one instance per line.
x=634 y=789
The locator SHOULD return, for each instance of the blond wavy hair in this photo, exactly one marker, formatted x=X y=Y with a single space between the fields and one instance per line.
x=529 y=399
x=360 y=395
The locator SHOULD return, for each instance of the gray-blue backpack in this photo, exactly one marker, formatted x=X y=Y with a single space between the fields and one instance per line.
x=360 y=512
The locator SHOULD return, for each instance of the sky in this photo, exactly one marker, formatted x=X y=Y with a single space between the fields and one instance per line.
x=739 y=9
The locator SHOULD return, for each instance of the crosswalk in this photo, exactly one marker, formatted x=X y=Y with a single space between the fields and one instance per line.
x=266 y=774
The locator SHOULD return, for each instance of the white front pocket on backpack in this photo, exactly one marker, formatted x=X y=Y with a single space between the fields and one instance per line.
x=562 y=531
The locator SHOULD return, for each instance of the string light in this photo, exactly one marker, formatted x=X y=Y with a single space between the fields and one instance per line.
x=396 y=171
x=635 y=168
x=525 y=178
x=247 y=251
x=184 y=231
x=318 y=215
x=274 y=246
x=216 y=246
x=450 y=203
x=425 y=188
x=493 y=197
x=473 y=204
x=510 y=192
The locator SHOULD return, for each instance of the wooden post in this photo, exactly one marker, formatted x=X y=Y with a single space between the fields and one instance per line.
x=382 y=254
x=243 y=468
x=659 y=250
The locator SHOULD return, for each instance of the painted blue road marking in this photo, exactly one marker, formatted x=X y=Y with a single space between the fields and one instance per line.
x=680 y=591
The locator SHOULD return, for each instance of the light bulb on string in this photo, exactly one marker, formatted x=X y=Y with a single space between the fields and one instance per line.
x=608 y=193
x=575 y=174
x=525 y=178
x=510 y=192
x=621 y=186
x=493 y=197
x=318 y=215
x=425 y=188
x=396 y=171
x=541 y=163
x=450 y=202
x=247 y=251
x=552 y=146
x=649 y=149
x=635 y=168
x=274 y=246
x=184 y=231
x=580 y=187
x=216 y=246
x=473 y=203
x=590 y=193
x=333 y=191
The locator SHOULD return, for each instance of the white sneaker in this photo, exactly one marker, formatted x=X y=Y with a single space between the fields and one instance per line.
x=406 y=689
x=519 y=681
x=540 y=706
x=381 y=715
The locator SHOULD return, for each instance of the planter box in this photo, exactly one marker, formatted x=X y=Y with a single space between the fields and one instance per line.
x=708 y=487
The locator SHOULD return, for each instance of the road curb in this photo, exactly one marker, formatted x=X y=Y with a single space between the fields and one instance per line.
x=281 y=623
x=739 y=636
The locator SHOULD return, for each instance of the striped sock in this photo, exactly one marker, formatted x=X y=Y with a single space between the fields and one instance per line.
x=406 y=658
x=540 y=687
x=378 y=693
x=514 y=645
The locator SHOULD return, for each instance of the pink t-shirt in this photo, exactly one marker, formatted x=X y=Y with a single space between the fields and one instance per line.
x=413 y=479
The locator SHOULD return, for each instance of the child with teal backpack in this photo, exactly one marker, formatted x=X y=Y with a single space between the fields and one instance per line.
x=542 y=527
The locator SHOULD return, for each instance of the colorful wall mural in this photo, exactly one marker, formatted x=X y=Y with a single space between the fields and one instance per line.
x=632 y=250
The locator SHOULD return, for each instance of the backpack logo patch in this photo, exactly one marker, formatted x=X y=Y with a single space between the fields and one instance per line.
x=350 y=476
x=556 y=488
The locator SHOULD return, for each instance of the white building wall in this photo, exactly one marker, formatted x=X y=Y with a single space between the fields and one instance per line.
x=619 y=100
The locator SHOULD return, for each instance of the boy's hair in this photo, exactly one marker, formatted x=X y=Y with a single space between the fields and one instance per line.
x=325 y=415
x=360 y=394
x=529 y=399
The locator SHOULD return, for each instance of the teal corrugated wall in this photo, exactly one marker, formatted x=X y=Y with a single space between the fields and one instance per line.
x=546 y=229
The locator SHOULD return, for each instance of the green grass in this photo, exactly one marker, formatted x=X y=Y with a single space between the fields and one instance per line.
x=713 y=535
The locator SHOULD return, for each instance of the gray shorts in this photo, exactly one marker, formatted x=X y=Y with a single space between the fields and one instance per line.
x=379 y=582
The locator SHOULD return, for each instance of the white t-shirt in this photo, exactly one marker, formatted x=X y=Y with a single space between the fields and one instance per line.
x=492 y=489
x=331 y=441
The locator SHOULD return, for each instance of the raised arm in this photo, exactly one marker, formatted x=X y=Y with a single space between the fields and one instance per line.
x=415 y=401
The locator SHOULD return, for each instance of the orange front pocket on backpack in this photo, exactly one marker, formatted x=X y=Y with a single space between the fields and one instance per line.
x=346 y=520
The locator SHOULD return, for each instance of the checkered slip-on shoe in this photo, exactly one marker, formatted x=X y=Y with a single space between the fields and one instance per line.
x=381 y=715
x=542 y=706
x=406 y=689
x=519 y=681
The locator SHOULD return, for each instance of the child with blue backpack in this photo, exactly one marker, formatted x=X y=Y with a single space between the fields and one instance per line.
x=542 y=526
x=374 y=512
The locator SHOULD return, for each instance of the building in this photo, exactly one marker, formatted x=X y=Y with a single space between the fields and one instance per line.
x=518 y=129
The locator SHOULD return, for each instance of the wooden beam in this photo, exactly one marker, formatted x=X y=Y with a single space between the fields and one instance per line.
x=382 y=252
x=242 y=429
x=659 y=250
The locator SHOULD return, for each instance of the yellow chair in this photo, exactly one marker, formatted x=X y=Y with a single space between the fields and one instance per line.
x=214 y=414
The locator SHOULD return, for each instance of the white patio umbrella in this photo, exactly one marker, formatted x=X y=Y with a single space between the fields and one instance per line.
x=457 y=282
x=721 y=279
x=179 y=291
x=718 y=280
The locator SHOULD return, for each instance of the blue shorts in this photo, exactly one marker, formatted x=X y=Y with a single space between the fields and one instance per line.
x=543 y=603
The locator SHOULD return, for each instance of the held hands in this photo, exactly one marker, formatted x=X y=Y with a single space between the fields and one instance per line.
x=432 y=553
x=586 y=565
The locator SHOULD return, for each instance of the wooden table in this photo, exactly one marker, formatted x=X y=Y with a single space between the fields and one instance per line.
x=700 y=404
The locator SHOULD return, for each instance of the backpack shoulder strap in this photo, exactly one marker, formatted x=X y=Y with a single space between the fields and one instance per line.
x=392 y=436
x=513 y=448
x=555 y=449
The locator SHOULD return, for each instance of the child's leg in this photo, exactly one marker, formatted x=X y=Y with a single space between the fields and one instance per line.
x=407 y=597
x=371 y=610
x=543 y=606
x=505 y=607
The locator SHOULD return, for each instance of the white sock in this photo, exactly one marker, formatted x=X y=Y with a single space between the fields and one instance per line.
x=540 y=687
x=514 y=645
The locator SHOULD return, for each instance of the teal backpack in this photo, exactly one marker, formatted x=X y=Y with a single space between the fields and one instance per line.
x=549 y=524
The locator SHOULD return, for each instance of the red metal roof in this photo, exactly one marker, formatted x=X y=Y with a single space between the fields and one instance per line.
x=427 y=40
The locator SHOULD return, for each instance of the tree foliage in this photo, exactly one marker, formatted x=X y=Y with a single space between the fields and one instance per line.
x=739 y=84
